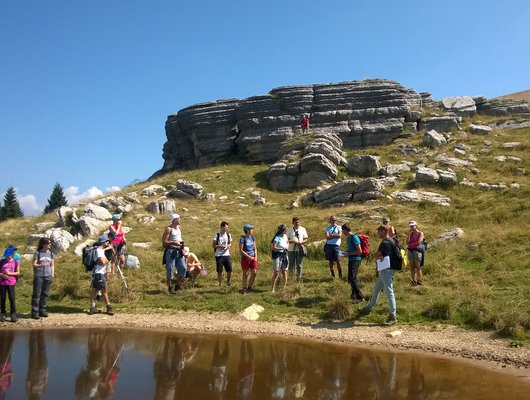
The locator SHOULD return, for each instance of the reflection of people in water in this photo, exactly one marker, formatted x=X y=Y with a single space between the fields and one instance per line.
x=111 y=370
x=246 y=369
x=295 y=377
x=384 y=381
x=87 y=382
x=333 y=382
x=218 y=374
x=37 y=378
x=278 y=370
x=416 y=381
x=6 y=372
x=169 y=365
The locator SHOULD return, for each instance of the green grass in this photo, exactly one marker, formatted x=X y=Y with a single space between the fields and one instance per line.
x=481 y=281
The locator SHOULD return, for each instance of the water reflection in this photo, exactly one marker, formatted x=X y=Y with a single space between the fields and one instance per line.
x=112 y=364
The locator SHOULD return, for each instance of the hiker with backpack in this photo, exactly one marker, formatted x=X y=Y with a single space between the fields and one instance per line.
x=43 y=274
x=354 y=254
x=249 y=258
x=415 y=253
x=9 y=271
x=332 y=246
x=388 y=262
x=118 y=241
x=173 y=258
x=297 y=236
x=99 y=276
x=280 y=244
x=221 y=243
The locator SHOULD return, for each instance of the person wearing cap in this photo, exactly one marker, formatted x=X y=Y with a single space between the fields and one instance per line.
x=385 y=278
x=117 y=237
x=415 y=253
x=332 y=247
x=43 y=274
x=249 y=257
x=173 y=257
x=99 y=278
x=8 y=279
x=353 y=252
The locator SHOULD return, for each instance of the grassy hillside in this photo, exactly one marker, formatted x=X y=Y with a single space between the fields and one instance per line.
x=481 y=281
x=524 y=95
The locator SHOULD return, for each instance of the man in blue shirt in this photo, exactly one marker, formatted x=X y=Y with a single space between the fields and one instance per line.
x=332 y=247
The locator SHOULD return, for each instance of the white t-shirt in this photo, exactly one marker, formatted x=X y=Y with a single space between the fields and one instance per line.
x=100 y=269
x=223 y=239
x=302 y=234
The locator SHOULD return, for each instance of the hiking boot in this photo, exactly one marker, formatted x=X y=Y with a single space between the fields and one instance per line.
x=391 y=321
x=35 y=316
x=98 y=295
x=109 y=310
x=2 y=317
x=14 y=317
x=413 y=283
x=43 y=313
x=93 y=310
x=356 y=301
x=171 y=290
x=419 y=283
x=228 y=283
x=364 y=311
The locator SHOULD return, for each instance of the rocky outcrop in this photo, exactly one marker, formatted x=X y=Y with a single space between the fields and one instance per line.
x=417 y=196
x=460 y=105
x=439 y=124
x=504 y=107
x=429 y=176
x=364 y=166
x=361 y=113
x=433 y=139
x=346 y=191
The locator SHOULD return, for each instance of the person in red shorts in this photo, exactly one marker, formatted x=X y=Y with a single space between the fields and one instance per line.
x=304 y=123
x=249 y=257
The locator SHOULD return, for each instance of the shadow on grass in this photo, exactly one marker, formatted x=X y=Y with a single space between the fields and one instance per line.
x=308 y=302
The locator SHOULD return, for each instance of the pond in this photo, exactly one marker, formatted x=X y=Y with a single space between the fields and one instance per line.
x=141 y=364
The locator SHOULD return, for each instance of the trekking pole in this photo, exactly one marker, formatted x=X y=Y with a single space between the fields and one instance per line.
x=115 y=360
x=120 y=273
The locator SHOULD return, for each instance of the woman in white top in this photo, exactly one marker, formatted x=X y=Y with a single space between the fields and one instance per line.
x=280 y=244
x=297 y=236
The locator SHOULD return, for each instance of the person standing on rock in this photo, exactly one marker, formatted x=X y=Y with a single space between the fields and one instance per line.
x=385 y=277
x=304 y=123
x=332 y=247
x=249 y=257
x=173 y=257
x=222 y=241
x=43 y=273
x=415 y=253
x=297 y=236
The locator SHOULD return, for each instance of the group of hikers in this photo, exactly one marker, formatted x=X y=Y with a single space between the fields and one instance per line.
x=288 y=251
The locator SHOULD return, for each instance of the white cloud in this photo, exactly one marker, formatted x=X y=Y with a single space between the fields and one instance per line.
x=73 y=196
x=112 y=189
x=28 y=204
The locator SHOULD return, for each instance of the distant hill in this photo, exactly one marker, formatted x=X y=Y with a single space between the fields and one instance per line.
x=524 y=95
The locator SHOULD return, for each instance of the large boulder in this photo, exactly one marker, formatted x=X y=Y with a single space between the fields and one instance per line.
x=394 y=169
x=417 y=196
x=153 y=190
x=91 y=226
x=439 y=124
x=96 y=212
x=189 y=187
x=61 y=239
x=433 y=139
x=67 y=216
x=460 y=105
x=315 y=169
x=339 y=193
x=364 y=166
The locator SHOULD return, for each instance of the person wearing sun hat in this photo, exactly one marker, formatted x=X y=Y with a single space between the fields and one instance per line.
x=173 y=258
x=8 y=279
x=415 y=253
x=249 y=257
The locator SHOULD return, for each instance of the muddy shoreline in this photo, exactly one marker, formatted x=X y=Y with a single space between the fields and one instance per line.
x=447 y=341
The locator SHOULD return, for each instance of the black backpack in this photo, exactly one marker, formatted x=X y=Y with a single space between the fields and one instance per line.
x=396 y=258
x=90 y=257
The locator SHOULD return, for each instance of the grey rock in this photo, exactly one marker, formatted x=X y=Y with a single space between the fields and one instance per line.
x=511 y=124
x=132 y=262
x=451 y=161
x=141 y=245
x=179 y=194
x=153 y=190
x=97 y=212
x=433 y=139
x=452 y=234
x=504 y=107
x=146 y=219
x=67 y=216
x=480 y=129
x=439 y=124
x=512 y=145
x=91 y=226
x=167 y=206
x=520 y=171
x=407 y=149
x=44 y=226
x=364 y=166
x=503 y=159
x=153 y=207
x=61 y=239
x=460 y=105
x=394 y=169
x=260 y=201
x=190 y=187
x=427 y=176
x=417 y=196
x=337 y=193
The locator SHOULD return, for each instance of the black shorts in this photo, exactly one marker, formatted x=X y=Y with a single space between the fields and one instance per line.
x=99 y=282
x=223 y=261
x=332 y=252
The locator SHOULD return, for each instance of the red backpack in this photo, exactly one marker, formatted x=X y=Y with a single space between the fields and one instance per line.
x=365 y=244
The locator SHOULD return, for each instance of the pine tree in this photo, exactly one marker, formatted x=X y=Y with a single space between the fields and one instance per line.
x=11 y=208
x=56 y=200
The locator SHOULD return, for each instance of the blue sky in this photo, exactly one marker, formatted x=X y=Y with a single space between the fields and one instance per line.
x=86 y=86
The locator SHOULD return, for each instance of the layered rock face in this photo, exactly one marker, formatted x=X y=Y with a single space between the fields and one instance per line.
x=361 y=113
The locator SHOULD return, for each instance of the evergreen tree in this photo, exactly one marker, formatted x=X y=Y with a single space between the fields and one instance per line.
x=11 y=208
x=56 y=200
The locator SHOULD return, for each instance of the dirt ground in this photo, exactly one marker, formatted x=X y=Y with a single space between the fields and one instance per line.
x=479 y=347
